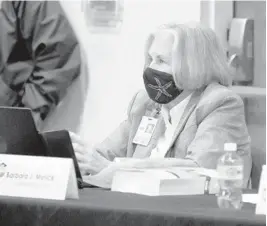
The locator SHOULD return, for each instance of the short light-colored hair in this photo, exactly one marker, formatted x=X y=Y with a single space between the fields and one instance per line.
x=198 y=58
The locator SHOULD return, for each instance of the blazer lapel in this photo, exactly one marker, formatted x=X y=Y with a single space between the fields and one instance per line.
x=145 y=151
x=187 y=112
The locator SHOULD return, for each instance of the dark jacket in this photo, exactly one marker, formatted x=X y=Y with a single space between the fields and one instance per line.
x=39 y=55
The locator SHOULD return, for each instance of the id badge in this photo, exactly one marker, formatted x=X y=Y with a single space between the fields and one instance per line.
x=145 y=130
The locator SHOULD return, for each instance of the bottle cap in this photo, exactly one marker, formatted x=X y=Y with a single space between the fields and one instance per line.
x=230 y=146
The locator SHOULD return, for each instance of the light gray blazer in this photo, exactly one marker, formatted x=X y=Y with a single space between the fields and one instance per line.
x=213 y=116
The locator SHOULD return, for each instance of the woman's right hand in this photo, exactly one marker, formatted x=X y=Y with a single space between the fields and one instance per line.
x=90 y=161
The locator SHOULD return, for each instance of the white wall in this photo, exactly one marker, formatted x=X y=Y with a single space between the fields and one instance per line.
x=116 y=60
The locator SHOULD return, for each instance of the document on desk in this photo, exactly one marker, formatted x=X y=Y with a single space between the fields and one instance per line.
x=127 y=175
x=168 y=181
x=250 y=198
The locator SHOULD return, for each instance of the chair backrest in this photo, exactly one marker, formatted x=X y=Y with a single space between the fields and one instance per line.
x=258 y=160
x=256 y=122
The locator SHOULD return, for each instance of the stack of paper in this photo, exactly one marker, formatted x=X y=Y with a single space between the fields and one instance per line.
x=169 y=181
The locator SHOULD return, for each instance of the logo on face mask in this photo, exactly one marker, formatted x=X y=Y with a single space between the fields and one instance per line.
x=160 y=86
x=162 y=89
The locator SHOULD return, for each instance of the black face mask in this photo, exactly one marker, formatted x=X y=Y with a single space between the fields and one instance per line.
x=160 y=86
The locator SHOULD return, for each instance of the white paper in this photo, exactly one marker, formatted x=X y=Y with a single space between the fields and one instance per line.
x=37 y=177
x=250 y=198
x=164 y=181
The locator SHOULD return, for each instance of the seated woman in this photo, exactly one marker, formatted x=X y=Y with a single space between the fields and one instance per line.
x=185 y=115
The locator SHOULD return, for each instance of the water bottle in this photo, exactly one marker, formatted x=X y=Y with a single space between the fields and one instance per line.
x=230 y=172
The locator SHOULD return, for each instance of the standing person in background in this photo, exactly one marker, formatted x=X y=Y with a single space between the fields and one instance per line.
x=39 y=56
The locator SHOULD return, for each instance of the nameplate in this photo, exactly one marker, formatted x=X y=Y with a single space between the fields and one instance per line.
x=261 y=204
x=37 y=177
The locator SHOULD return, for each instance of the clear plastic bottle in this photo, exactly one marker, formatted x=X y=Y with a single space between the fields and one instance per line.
x=230 y=169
